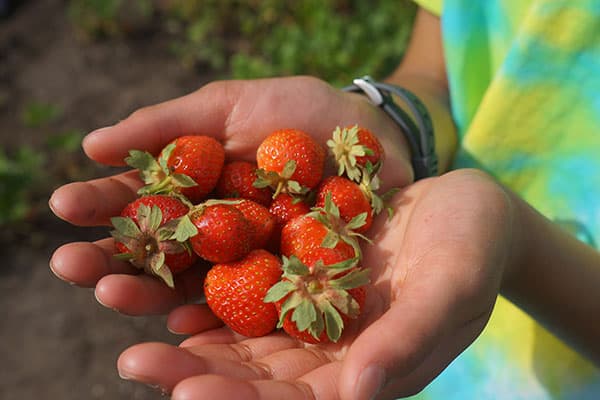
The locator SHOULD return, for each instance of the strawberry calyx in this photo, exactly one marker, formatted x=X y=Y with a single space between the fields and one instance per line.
x=148 y=241
x=317 y=296
x=280 y=182
x=156 y=174
x=345 y=147
x=370 y=184
x=338 y=229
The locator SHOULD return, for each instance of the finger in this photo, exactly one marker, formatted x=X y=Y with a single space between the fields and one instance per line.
x=441 y=283
x=151 y=128
x=293 y=363
x=277 y=356
x=146 y=363
x=448 y=349
x=226 y=110
x=245 y=350
x=222 y=387
x=243 y=360
x=393 y=345
x=191 y=319
x=320 y=383
x=147 y=295
x=94 y=202
x=84 y=263
x=222 y=335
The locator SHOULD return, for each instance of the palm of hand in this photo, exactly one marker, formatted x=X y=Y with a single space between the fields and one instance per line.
x=435 y=272
x=435 y=277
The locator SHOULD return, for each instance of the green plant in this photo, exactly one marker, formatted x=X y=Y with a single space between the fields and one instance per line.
x=333 y=39
x=65 y=142
x=29 y=173
x=37 y=114
x=19 y=175
x=108 y=18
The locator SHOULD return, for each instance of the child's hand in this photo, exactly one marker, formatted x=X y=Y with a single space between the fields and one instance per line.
x=437 y=267
x=239 y=114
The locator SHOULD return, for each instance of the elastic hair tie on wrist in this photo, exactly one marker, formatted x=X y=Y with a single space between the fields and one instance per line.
x=418 y=131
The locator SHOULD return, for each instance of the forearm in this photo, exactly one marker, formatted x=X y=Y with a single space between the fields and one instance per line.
x=556 y=279
x=423 y=72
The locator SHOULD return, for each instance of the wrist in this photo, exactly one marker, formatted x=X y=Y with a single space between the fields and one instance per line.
x=396 y=170
x=416 y=126
x=434 y=94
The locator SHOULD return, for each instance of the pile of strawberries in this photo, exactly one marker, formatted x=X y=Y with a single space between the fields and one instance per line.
x=280 y=236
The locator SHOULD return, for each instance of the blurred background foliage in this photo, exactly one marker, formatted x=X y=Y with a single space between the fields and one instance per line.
x=332 y=39
x=335 y=40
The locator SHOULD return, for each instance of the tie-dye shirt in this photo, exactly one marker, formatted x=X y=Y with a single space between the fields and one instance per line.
x=524 y=79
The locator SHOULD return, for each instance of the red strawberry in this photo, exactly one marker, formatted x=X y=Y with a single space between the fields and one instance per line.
x=284 y=208
x=262 y=222
x=354 y=148
x=235 y=292
x=143 y=236
x=319 y=294
x=237 y=179
x=218 y=232
x=287 y=207
x=290 y=160
x=189 y=165
x=350 y=199
x=307 y=232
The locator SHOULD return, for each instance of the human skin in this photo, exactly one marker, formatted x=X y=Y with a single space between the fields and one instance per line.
x=455 y=242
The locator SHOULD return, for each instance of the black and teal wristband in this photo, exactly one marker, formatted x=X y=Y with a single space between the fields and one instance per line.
x=417 y=129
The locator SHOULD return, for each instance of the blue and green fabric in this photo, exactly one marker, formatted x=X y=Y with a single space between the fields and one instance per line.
x=524 y=78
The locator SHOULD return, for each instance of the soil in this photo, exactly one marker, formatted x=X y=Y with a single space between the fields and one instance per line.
x=56 y=341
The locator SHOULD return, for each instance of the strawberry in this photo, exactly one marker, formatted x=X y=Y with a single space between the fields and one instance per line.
x=318 y=295
x=354 y=148
x=189 y=166
x=323 y=227
x=217 y=231
x=350 y=199
x=284 y=208
x=290 y=160
x=237 y=178
x=262 y=222
x=143 y=235
x=287 y=207
x=235 y=292
x=310 y=231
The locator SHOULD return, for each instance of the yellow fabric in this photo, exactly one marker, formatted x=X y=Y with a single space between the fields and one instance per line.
x=433 y=6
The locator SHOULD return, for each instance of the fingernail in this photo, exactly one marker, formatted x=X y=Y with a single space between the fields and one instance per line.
x=124 y=376
x=102 y=303
x=53 y=268
x=173 y=331
x=163 y=391
x=370 y=382
x=99 y=130
x=51 y=203
x=95 y=133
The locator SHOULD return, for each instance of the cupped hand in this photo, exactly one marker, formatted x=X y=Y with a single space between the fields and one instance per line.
x=437 y=267
x=237 y=113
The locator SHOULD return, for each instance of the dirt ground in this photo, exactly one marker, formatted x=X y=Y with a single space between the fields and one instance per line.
x=56 y=341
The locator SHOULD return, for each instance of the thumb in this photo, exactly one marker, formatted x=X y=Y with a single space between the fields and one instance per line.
x=397 y=344
x=203 y=112
x=443 y=291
